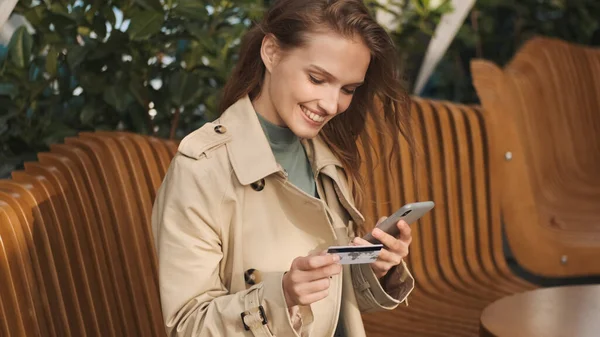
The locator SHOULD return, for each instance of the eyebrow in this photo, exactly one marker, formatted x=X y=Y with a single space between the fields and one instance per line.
x=328 y=74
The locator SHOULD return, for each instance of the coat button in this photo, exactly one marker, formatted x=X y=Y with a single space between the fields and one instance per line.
x=258 y=185
x=220 y=129
x=252 y=277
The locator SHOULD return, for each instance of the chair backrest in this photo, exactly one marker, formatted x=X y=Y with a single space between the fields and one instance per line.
x=16 y=277
x=76 y=253
x=460 y=241
x=87 y=204
x=544 y=117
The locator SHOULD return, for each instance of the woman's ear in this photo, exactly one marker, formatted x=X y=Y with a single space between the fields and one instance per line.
x=269 y=51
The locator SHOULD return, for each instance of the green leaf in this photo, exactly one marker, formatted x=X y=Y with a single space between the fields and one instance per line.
x=141 y=93
x=196 y=28
x=36 y=15
x=111 y=96
x=78 y=14
x=83 y=30
x=192 y=9
x=99 y=26
x=19 y=48
x=109 y=14
x=184 y=88
x=138 y=120
x=117 y=98
x=52 y=61
x=8 y=89
x=7 y=165
x=75 y=55
x=92 y=10
x=51 y=38
x=60 y=9
x=150 y=4
x=419 y=7
x=145 y=24
x=92 y=82
x=445 y=8
x=63 y=25
x=88 y=113
x=101 y=52
x=56 y=132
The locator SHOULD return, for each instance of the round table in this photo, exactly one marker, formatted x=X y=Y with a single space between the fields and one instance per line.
x=570 y=311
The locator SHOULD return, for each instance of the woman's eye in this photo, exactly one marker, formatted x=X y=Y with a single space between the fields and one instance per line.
x=315 y=80
x=349 y=91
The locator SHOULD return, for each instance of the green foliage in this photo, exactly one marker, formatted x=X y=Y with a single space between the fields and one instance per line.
x=413 y=26
x=156 y=66
x=497 y=28
x=147 y=66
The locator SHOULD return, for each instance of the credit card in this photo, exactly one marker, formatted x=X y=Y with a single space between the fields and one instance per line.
x=356 y=254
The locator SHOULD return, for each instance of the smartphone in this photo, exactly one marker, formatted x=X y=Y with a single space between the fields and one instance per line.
x=409 y=213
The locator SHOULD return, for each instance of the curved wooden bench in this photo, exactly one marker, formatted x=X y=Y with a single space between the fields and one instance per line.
x=86 y=206
x=88 y=201
x=543 y=112
x=457 y=255
x=16 y=277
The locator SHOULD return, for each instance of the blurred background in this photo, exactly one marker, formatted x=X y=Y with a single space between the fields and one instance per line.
x=155 y=66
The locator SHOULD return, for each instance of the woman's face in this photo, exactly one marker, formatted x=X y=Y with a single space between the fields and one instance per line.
x=306 y=87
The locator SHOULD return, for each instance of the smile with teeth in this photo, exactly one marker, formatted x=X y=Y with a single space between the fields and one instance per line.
x=313 y=116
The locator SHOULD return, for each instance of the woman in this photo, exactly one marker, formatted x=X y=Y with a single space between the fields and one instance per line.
x=252 y=200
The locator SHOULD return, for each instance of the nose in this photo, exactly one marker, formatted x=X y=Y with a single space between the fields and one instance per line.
x=331 y=101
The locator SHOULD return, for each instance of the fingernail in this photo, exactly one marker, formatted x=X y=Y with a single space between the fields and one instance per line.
x=336 y=258
x=377 y=231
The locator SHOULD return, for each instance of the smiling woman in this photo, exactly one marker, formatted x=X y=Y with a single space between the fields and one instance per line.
x=266 y=188
x=304 y=88
x=315 y=29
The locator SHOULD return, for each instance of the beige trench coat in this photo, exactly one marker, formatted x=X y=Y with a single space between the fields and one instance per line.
x=227 y=224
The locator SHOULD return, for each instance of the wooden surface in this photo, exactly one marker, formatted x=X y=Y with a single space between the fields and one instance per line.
x=85 y=265
x=543 y=112
x=79 y=261
x=456 y=254
x=572 y=311
x=76 y=255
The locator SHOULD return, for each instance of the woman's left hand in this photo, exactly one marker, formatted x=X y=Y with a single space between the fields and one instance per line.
x=395 y=249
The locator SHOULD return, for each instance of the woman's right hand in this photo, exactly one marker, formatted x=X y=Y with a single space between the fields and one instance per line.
x=309 y=277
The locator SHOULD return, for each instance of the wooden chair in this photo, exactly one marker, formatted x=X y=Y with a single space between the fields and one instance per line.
x=30 y=259
x=70 y=180
x=53 y=270
x=163 y=154
x=149 y=161
x=89 y=200
x=98 y=275
x=115 y=274
x=543 y=116
x=17 y=277
x=456 y=255
x=138 y=173
x=130 y=230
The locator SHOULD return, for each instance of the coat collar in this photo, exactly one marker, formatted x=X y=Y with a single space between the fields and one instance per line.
x=249 y=150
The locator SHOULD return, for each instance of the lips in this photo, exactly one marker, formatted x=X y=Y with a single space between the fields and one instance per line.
x=312 y=116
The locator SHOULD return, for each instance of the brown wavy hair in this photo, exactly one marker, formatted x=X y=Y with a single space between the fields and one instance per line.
x=381 y=97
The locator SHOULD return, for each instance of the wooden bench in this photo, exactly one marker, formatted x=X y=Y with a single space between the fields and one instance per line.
x=77 y=256
x=77 y=247
x=543 y=115
x=457 y=255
